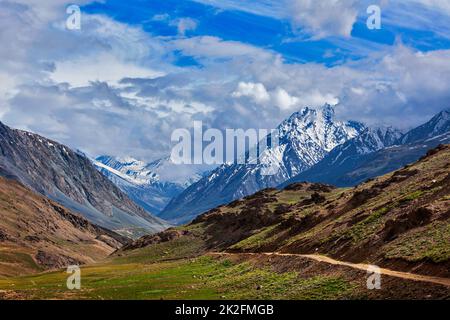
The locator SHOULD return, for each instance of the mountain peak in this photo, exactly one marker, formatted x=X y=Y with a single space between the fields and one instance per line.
x=372 y=139
x=308 y=114
x=160 y=171
x=438 y=125
x=152 y=185
x=304 y=139
x=444 y=115
x=318 y=126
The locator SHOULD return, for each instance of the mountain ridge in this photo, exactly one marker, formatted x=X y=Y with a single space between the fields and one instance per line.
x=38 y=234
x=304 y=139
x=350 y=164
x=57 y=172
x=373 y=151
x=439 y=124
x=147 y=184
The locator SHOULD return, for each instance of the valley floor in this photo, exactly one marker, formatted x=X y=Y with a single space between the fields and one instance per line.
x=224 y=276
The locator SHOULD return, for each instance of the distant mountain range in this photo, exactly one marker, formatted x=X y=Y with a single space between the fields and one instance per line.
x=313 y=147
x=151 y=185
x=121 y=194
x=68 y=177
x=374 y=153
x=304 y=139
x=438 y=125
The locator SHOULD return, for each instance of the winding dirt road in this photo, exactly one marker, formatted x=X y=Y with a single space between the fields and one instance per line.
x=358 y=266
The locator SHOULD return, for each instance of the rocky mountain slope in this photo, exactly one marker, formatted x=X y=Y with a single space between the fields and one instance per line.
x=37 y=233
x=69 y=178
x=342 y=162
x=399 y=221
x=151 y=185
x=438 y=125
x=375 y=153
x=304 y=139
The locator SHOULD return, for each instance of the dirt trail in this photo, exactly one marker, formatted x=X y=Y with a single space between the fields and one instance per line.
x=359 y=266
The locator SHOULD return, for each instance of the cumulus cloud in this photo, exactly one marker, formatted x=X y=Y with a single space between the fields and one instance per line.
x=284 y=100
x=405 y=84
x=50 y=77
x=323 y=18
x=256 y=91
x=185 y=24
x=280 y=98
x=96 y=119
x=315 y=98
x=103 y=67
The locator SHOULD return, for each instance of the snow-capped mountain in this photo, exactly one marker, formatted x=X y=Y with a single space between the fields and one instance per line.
x=304 y=139
x=439 y=124
x=371 y=140
x=376 y=152
x=347 y=154
x=151 y=185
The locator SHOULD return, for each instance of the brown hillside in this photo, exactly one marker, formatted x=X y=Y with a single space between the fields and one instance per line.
x=400 y=220
x=37 y=234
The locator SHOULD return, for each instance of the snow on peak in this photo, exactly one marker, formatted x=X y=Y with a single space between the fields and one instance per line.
x=441 y=120
x=376 y=138
x=439 y=124
x=319 y=127
x=304 y=139
x=159 y=171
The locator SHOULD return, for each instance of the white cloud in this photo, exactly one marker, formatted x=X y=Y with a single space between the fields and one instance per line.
x=323 y=18
x=185 y=24
x=102 y=67
x=270 y=8
x=102 y=50
x=214 y=47
x=280 y=98
x=161 y=17
x=256 y=91
x=316 y=18
x=283 y=100
x=317 y=99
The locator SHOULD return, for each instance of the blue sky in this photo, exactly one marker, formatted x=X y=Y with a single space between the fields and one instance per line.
x=271 y=32
x=139 y=69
